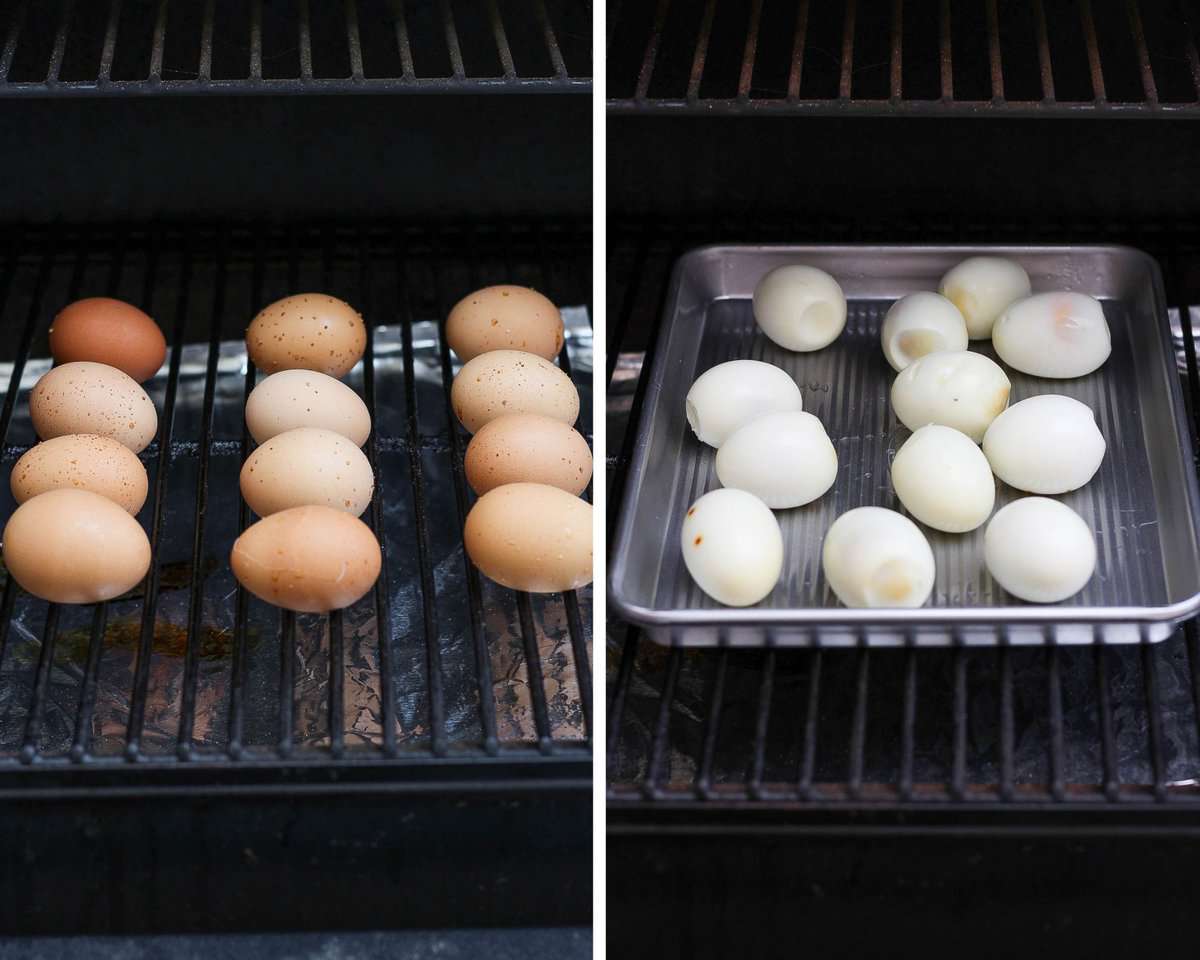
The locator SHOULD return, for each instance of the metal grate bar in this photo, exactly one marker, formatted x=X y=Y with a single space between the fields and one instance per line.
x=1154 y=719
x=846 y=81
x=256 y=48
x=1054 y=691
x=1193 y=646
x=1149 y=88
x=858 y=726
x=305 y=37
x=994 y=59
x=746 y=78
x=109 y=51
x=37 y=706
x=658 y=749
x=556 y=57
x=206 y=50
x=946 y=56
x=288 y=644
x=452 y=44
x=620 y=327
x=403 y=44
x=812 y=716
x=712 y=725
x=533 y=670
x=337 y=681
x=958 y=772
x=1108 y=745
x=1093 y=50
x=647 y=71
x=616 y=707
x=761 y=720
x=908 y=720
x=156 y=48
x=1007 y=722
x=1044 y=62
x=1189 y=42
x=698 y=57
x=797 y=69
x=60 y=42
x=503 y=50
x=14 y=36
x=87 y=692
x=896 y=63
x=353 y=40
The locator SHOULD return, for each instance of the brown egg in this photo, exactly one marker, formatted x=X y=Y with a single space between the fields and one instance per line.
x=304 y=466
x=511 y=381
x=87 y=397
x=528 y=447
x=82 y=461
x=504 y=318
x=307 y=331
x=305 y=398
x=532 y=537
x=75 y=546
x=109 y=331
x=309 y=559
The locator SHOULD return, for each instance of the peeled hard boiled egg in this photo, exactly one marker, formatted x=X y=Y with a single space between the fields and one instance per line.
x=732 y=547
x=504 y=317
x=306 y=398
x=511 y=381
x=1056 y=335
x=874 y=557
x=93 y=398
x=962 y=390
x=1046 y=444
x=307 y=331
x=784 y=459
x=921 y=323
x=944 y=480
x=981 y=288
x=109 y=331
x=733 y=393
x=800 y=308
x=1039 y=549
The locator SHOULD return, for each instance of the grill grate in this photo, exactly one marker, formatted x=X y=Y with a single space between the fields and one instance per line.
x=139 y=47
x=909 y=57
x=192 y=680
x=815 y=730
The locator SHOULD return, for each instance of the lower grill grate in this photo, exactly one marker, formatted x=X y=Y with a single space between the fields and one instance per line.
x=437 y=671
x=820 y=729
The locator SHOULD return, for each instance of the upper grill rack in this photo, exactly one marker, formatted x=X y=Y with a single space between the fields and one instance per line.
x=155 y=47
x=910 y=57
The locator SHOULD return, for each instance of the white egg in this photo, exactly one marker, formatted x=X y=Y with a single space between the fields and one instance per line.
x=981 y=288
x=960 y=389
x=944 y=480
x=784 y=459
x=732 y=547
x=733 y=393
x=800 y=308
x=1039 y=550
x=921 y=323
x=874 y=557
x=1057 y=335
x=1046 y=444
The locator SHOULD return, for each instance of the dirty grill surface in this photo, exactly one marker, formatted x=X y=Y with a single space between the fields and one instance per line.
x=437 y=674
x=813 y=732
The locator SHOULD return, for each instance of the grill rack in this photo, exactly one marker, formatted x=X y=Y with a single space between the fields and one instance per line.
x=450 y=258
x=903 y=57
x=140 y=48
x=669 y=710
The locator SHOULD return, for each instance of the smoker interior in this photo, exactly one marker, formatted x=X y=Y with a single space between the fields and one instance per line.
x=870 y=796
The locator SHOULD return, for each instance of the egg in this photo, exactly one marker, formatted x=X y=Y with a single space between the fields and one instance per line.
x=732 y=547
x=504 y=317
x=307 y=466
x=784 y=459
x=527 y=447
x=1039 y=549
x=982 y=288
x=1045 y=444
x=82 y=461
x=75 y=546
x=532 y=537
x=921 y=323
x=310 y=559
x=944 y=480
x=1055 y=335
x=733 y=393
x=84 y=397
x=874 y=557
x=511 y=381
x=108 y=331
x=963 y=390
x=800 y=308
x=305 y=398
x=307 y=331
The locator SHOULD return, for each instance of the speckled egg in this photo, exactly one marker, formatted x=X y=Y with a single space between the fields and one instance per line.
x=512 y=381
x=108 y=331
x=307 y=466
x=93 y=398
x=305 y=398
x=307 y=331
x=504 y=317
x=527 y=447
x=82 y=461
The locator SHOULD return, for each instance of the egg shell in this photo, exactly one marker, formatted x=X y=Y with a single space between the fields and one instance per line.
x=75 y=546
x=1054 y=335
x=733 y=393
x=307 y=466
x=85 y=397
x=919 y=324
x=982 y=288
x=1039 y=549
x=874 y=557
x=528 y=448
x=109 y=331
x=310 y=559
x=1045 y=444
x=732 y=547
x=307 y=331
x=944 y=480
x=82 y=461
x=504 y=317
x=784 y=459
x=800 y=307
x=305 y=398
x=512 y=381
x=963 y=390
x=532 y=537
